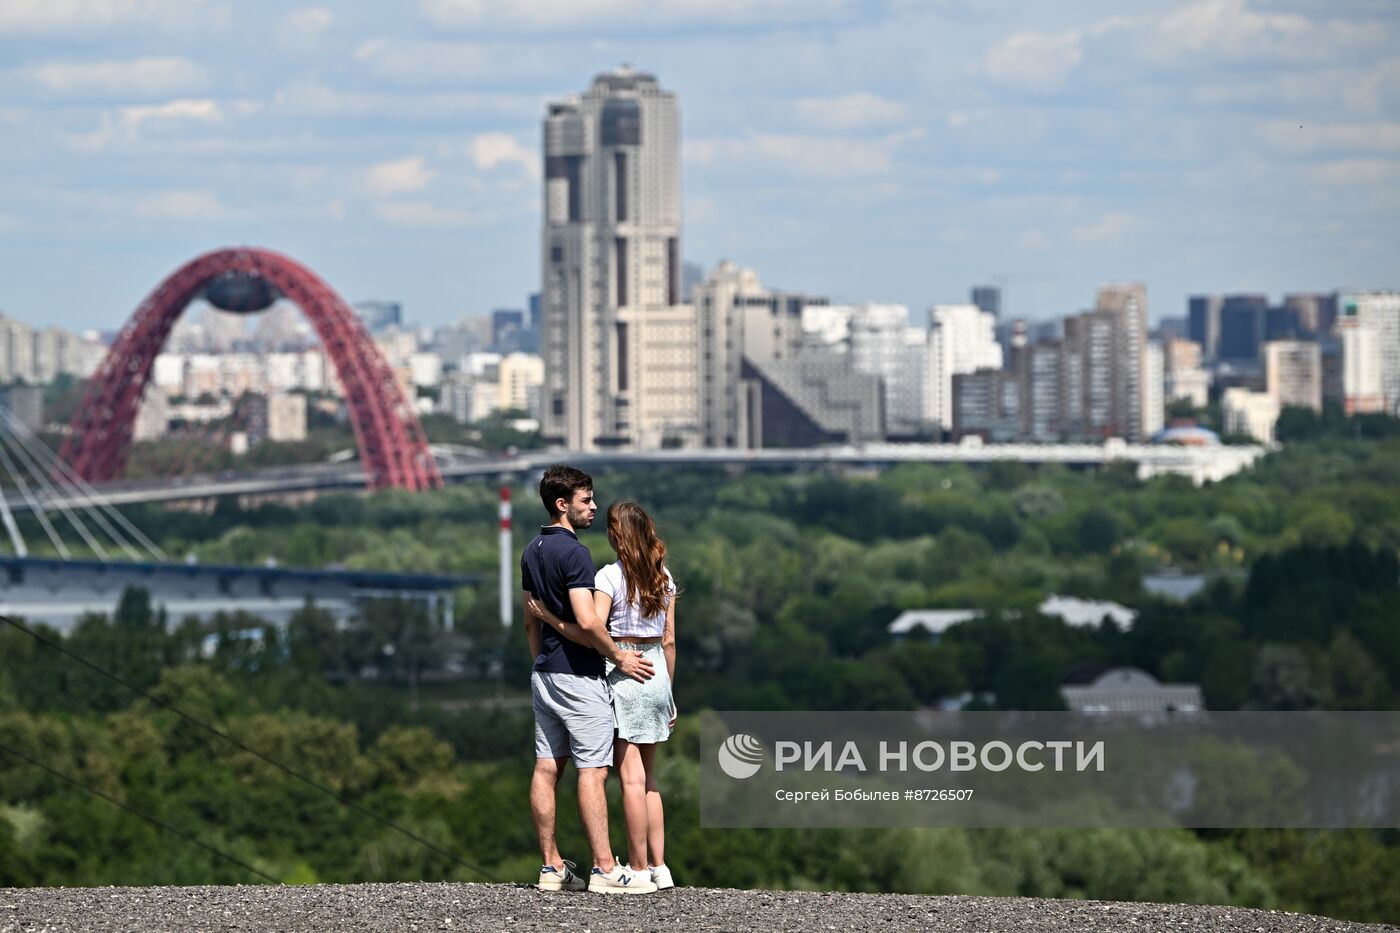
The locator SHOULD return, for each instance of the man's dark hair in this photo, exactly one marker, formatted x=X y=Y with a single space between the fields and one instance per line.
x=561 y=482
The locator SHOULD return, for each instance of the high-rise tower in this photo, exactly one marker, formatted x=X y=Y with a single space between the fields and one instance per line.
x=618 y=345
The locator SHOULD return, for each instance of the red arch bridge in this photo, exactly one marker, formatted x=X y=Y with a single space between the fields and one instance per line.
x=393 y=448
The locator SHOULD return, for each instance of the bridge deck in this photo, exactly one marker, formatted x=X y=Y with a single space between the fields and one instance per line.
x=1200 y=464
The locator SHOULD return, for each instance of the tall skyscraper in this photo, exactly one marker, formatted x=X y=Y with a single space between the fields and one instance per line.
x=987 y=298
x=1154 y=390
x=1293 y=373
x=1041 y=371
x=1315 y=313
x=1185 y=378
x=1242 y=322
x=883 y=344
x=1106 y=366
x=379 y=316
x=962 y=340
x=769 y=376
x=1128 y=305
x=618 y=345
x=1203 y=323
x=1369 y=328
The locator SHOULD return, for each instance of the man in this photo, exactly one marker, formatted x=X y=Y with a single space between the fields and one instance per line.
x=572 y=700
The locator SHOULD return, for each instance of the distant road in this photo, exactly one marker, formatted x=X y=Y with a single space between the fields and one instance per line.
x=1200 y=464
x=370 y=908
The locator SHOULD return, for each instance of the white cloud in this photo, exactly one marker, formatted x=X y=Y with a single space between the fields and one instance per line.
x=138 y=77
x=304 y=27
x=184 y=109
x=850 y=111
x=178 y=205
x=1109 y=227
x=820 y=156
x=1035 y=61
x=1228 y=26
x=559 y=14
x=1033 y=240
x=490 y=150
x=63 y=16
x=421 y=61
x=1307 y=137
x=1233 y=31
x=318 y=100
x=125 y=124
x=1368 y=172
x=420 y=214
x=399 y=176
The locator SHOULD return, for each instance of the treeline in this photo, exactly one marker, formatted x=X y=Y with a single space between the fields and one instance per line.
x=152 y=760
x=467 y=798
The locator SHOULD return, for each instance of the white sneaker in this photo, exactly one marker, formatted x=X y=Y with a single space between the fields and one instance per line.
x=621 y=880
x=552 y=879
x=661 y=877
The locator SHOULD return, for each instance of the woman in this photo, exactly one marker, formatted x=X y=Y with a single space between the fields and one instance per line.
x=638 y=598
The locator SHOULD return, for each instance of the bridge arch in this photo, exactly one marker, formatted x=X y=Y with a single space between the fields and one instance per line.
x=392 y=445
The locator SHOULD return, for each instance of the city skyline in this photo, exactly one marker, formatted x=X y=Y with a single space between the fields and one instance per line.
x=1198 y=146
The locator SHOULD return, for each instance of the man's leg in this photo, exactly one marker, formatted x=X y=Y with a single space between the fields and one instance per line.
x=634 y=802
x=551 y=753
x=593 y=813
x=542 y=807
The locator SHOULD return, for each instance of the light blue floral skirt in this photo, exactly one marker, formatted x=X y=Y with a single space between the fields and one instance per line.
x=642 y=710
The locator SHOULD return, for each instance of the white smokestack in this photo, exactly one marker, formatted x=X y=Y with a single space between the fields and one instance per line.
x=507 y=590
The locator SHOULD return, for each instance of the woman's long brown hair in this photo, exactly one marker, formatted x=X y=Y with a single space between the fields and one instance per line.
x=642 y=555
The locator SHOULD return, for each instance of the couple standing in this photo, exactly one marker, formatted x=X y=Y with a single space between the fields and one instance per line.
x=605 y=651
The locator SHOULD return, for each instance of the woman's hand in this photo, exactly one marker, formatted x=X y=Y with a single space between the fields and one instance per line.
x=538 y=610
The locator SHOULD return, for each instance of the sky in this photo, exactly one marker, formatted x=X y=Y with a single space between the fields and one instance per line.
x=888 y=150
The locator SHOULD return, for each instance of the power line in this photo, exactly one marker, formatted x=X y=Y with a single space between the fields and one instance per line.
x=145 y=816
x=237 y=743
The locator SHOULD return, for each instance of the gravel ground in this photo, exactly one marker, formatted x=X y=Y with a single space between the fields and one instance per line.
x=404 y=908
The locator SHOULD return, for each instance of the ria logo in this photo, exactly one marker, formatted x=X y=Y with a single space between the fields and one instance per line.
x=741 y=756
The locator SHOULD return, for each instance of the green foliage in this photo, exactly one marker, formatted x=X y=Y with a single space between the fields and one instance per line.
x=788 y=584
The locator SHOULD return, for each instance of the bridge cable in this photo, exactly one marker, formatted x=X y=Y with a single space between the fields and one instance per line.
x=238 y=744
x=52 y=495
x=79 y=485
x=145 y=816
x=35 y=509
x=87 y=489
x=11 y=528
x=27 y=444
x=31 y=445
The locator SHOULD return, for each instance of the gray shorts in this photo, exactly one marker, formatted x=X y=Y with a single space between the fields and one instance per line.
x=573 y=718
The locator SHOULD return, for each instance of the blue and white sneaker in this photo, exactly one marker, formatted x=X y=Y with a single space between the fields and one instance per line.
x=552 y=879
x=621 y=880
x=661 y=877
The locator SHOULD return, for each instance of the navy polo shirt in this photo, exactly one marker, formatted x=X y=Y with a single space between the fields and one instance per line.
x=552 y=565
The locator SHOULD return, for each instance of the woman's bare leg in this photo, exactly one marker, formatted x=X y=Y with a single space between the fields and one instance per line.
x=656 y=815
x=634 y=801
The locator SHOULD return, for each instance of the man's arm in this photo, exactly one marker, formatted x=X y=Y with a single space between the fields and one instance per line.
x=595 y=630
x=570 y=630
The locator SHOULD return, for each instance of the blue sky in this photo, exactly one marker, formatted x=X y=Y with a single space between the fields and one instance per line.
x=893 y=151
